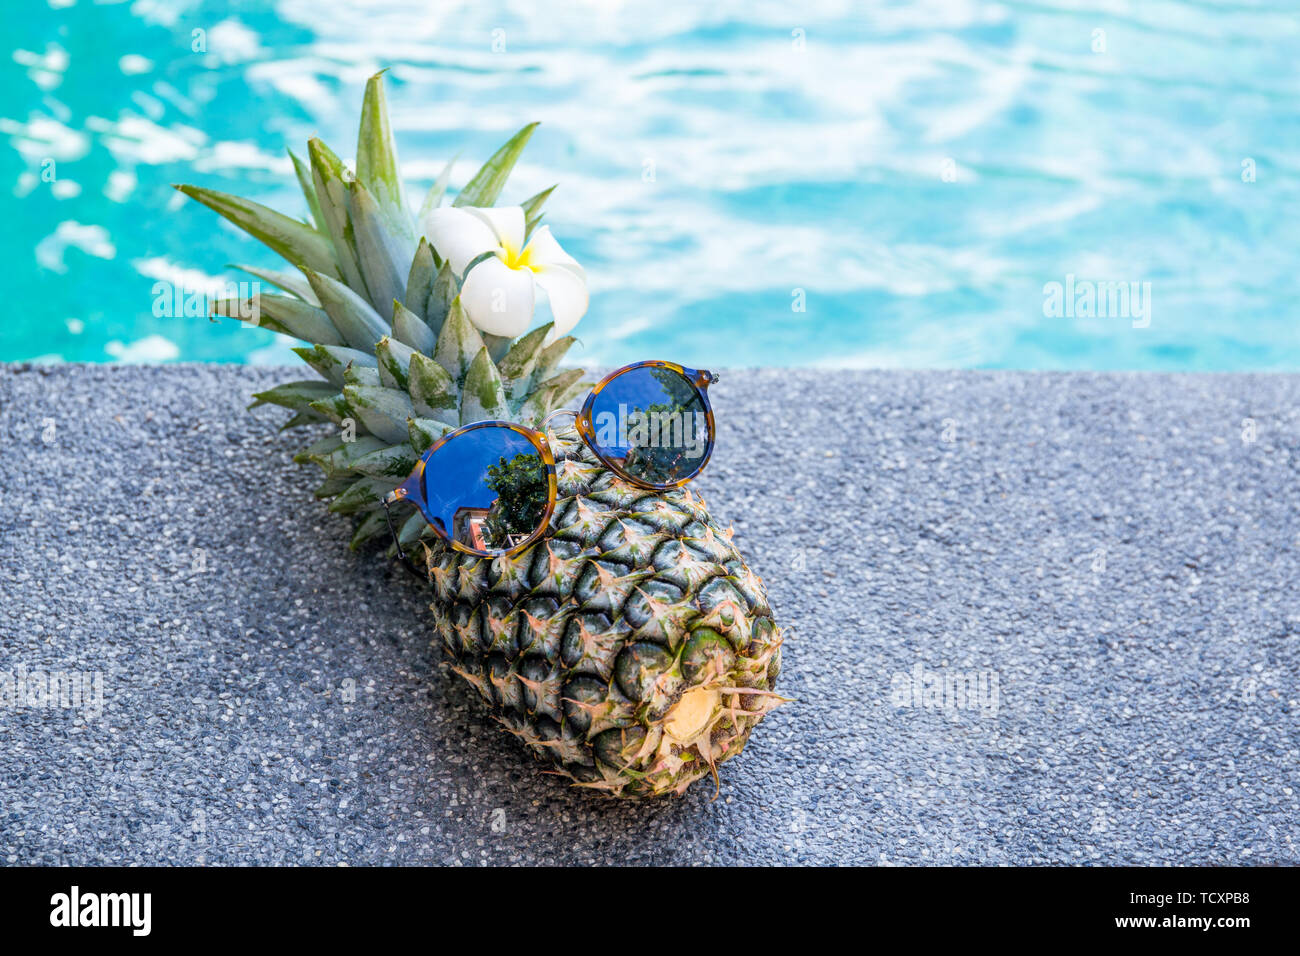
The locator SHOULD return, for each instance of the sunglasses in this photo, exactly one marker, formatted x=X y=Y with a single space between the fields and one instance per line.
x=488 y=488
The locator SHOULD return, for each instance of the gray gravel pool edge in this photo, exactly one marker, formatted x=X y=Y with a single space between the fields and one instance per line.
x=1111 y=559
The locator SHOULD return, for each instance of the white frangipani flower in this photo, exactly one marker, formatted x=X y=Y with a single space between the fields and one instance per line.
x=499 y=292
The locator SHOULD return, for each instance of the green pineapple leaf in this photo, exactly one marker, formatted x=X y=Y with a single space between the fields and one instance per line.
x=296 y=241
x=410 y=329
x=444 y=292
x=497 y=345
x=359 y=324
x=303 y=418
x=546 y=397
x=288 y=281
x=394 y=359
x=486 y=185
x=423 y=432
x=458 y=343
x=433 y=391
x=345 y=459
x=331 y=177
x=303 y=172
x=384 y=257
x=390 y=462
x=550 y=360
x=330 y=361
x=377 y=166
x=419 y=280
x=381 y=411
x=320 y=454
x=361 y=375
x=517 y=367
x=483 y=397
x=533 y=210
x=283 y=313
x=244 y=310
x=362 y=495
x=562 y=397
x=335 y=408
x=322 y=448
x=371 y=526
x=333 y=486
x=412 y=529
x=298 y=396
x=433 y=199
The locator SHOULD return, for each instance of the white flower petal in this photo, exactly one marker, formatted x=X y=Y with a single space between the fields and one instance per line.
x=506 y=222
x=543 y=250
x=567 y=291
x=498 y=300
x=459 y=236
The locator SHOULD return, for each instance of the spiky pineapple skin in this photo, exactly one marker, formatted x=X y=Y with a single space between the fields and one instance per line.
x=583 y=644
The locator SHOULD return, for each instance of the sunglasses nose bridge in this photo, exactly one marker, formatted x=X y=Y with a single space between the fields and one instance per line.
x=559 y=411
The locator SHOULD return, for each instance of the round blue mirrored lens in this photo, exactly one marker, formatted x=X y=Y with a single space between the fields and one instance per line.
x=651 y=423
x=487 y=489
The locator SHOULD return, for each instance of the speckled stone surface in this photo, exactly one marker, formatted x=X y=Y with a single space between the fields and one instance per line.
x=1107 y=557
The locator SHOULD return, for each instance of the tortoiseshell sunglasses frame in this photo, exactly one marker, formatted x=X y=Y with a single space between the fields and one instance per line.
x=412 y=488
x=700 y=378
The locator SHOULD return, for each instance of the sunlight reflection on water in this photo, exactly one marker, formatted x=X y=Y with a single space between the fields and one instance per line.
x=913 y=174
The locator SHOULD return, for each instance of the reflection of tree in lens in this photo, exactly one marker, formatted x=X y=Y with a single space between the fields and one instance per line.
x=657 y=458
x=521 y=491
x=679 y=391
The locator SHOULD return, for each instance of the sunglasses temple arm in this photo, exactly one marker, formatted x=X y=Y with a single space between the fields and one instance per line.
x=398 y=544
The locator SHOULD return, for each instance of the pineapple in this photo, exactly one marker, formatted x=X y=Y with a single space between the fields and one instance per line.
x=631 y=647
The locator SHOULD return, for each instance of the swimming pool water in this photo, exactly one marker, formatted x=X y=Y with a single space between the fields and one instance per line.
x=827 y=183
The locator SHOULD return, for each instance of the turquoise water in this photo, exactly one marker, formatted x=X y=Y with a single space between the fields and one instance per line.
x=913 y=176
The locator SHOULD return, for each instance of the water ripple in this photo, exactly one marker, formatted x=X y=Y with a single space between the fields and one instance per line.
x=893 y=186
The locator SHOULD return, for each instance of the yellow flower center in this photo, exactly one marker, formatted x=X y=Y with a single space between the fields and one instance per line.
x=517 y=258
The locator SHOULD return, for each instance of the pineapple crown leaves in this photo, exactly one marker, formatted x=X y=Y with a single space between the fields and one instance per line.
x=399 y=363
